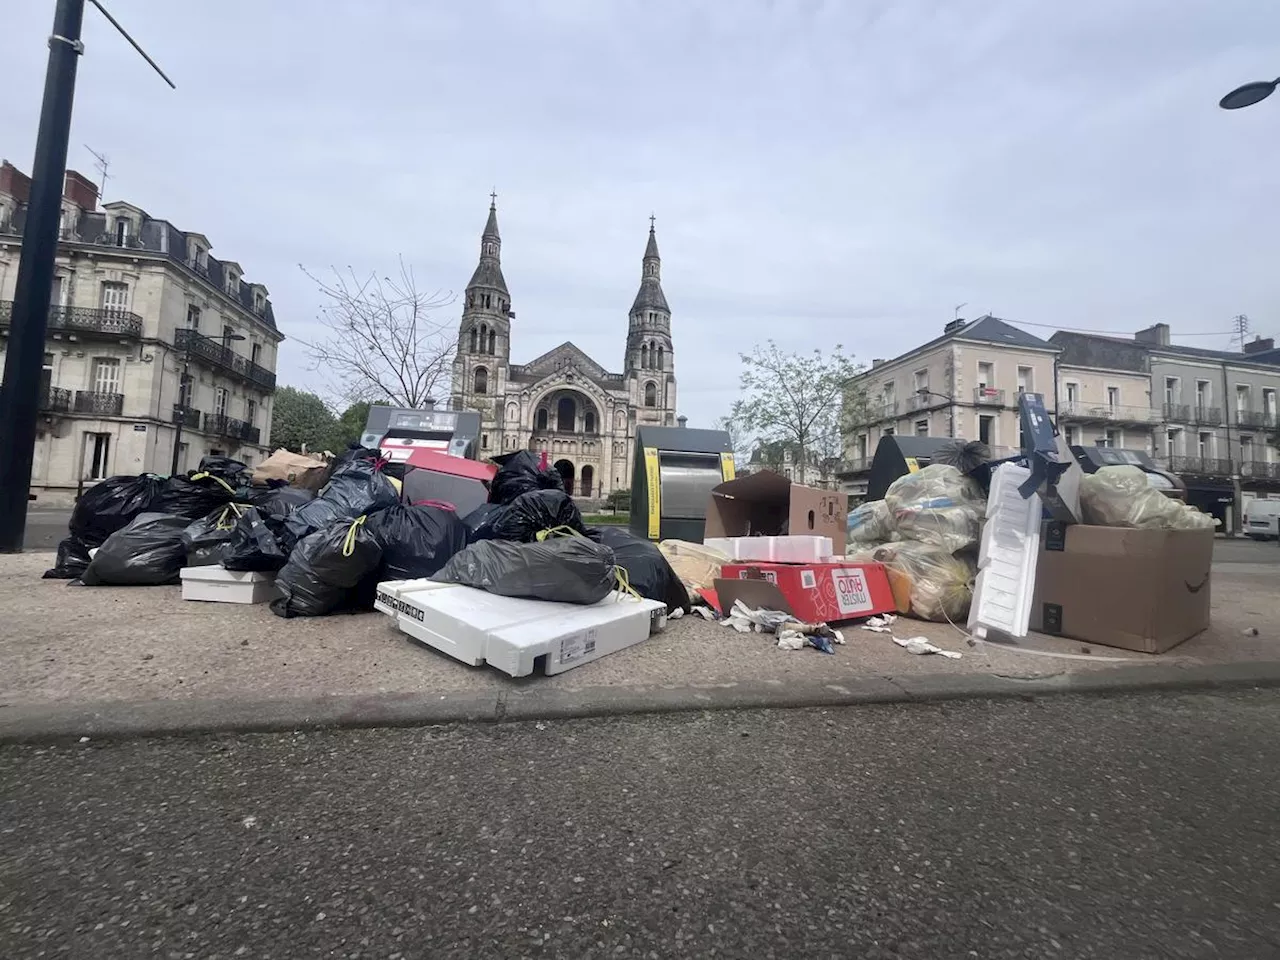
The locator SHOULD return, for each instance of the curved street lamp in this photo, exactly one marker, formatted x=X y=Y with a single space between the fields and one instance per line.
x=1249 y=94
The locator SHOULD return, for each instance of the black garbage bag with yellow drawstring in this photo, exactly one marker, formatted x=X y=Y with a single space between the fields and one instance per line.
x=192 y=496
x=567 y=569
x=648 y=571
x=524 y=517
x=206 y=540
x=325 y=570
x=254 y=544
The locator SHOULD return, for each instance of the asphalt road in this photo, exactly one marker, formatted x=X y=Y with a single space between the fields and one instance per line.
x=45 y=527
x=1110 y=827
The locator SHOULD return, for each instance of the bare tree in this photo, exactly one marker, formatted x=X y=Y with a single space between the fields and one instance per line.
x=381 y=341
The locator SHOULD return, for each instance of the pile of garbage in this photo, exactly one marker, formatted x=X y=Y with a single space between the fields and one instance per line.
x=328 y=550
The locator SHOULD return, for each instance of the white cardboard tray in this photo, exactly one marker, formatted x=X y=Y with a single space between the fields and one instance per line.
x=213 y=583
x=511 y=634
x=773 y=549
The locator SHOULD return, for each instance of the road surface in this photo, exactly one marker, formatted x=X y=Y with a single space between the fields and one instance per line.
x=1132 y=827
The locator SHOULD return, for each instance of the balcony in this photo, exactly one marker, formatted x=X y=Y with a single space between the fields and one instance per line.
x=111 y=324
x=849 y=467
x=988 y=397
x=98 y=404
x=223 y=426
x=223 y=358
x=1256 y=419
x=875 y=411
x=1201 y=466
x=55 y=400
x=189 y=417
x=1255 y=470
x=1177 y=413
x=1083 y=412
x=1208 y=416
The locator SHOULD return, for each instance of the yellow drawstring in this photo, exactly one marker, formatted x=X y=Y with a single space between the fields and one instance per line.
x=201 y=476
x=624 y=582
x=222 y=517
x=561 y=531
x=349 y=541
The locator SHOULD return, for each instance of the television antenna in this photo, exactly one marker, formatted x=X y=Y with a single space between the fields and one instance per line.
x=101 y=163
x=955 y=314
x=1240 y=325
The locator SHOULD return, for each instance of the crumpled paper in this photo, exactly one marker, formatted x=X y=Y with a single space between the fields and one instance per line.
x=922 y=647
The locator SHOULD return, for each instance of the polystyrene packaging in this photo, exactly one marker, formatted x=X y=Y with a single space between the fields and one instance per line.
x=869 y=523
x=938 y=505
x=1121 y=496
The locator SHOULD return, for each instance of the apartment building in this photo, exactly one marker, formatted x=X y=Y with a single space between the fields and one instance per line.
x=963 y=384
x=1208 y=415
x=148 y=337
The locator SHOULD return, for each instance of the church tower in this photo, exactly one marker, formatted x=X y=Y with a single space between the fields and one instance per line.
x=484 y=335
x=650 y=361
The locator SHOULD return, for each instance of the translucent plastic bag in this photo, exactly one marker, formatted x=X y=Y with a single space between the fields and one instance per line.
x=937 y=505
x=697 y=566
x=869 y=523
x=940 y=582
x=1121 y=496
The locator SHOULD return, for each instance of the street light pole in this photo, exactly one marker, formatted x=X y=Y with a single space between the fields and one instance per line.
x=20 y=394
x=180 y=408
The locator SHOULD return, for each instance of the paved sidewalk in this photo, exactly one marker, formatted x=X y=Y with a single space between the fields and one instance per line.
x=66 y=647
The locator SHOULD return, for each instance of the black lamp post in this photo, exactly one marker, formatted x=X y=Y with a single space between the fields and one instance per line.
x=922 y=393
x=1249 y=94
x=184 y=399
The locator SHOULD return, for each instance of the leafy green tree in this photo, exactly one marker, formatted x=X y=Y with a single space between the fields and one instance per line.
x=300 y=418
x=349 y=426
x=619 y=501
x=796 y=401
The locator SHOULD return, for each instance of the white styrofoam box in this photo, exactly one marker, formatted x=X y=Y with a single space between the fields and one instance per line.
x=215 y=584
x=510 y=633
x=1007 y=558
x=773 y=549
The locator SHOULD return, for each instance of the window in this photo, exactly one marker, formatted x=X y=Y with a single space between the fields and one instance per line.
x=1171 y=390
x=987 y=429
x=1072 y=435
x=1204 y=394
x=115 y=296
x=59 y=295
x=1204 y=445
x=1172 y=442
x=986 y=374
x=1242 y=401
x=233 y=283
x=862 y=446
x=660 y=366
x=106 y=375
x=888 y=432
x=220 y=401
x=922 y=428
x=1026 y=380
x=46 y=376
x=1269 y=403
x=227 y=334
x=1113 y=397
x=193 y=317
x=650 y=394
x=185 y=389
x=1113 y=439
x=922 y=380
x=484 y=441
x=540 y=419
x=566 y=415
x=122 y=232
x=251 y=411
x=1073 y=393
x=1246 y=449
x=589 y=422
x=474 y=336
x=493 y=340
x=255 y=352
x=259 y=302
x=481 y=381
x=99 y=455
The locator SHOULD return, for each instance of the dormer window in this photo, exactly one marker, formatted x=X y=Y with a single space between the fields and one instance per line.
x=233 y=284
x=259 y=302
x=122 y=232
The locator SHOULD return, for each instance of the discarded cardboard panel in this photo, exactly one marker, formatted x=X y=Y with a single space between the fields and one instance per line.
x=1007 y=559
x=799 y=549
x=295 y=469
x=1144 y=590
x=514 y=635
x=768 y=504
x=815 y=593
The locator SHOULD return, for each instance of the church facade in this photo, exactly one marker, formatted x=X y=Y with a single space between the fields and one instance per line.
x=564 y=403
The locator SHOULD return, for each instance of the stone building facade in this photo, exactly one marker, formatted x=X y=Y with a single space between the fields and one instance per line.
x=135 y=303
x=564 y=403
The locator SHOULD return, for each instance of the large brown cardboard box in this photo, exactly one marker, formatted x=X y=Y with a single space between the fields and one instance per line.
x=767 y=504
x=1145 y=590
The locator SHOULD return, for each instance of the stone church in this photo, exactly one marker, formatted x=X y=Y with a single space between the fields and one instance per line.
x=564 y=403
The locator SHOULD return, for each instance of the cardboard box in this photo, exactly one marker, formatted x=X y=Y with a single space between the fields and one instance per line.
x=295 y=469
x=767 y=504
x=813 y=592
x=1144 y=590
x=214 y=584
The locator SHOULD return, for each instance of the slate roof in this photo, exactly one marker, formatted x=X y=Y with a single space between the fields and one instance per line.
x=650 y=295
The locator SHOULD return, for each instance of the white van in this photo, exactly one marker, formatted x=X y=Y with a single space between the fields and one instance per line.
x=1262 y=519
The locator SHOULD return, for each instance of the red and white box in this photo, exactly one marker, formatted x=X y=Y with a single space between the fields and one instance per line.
x=813 y=592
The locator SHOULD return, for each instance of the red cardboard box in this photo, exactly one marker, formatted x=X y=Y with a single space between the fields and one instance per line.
x=813 y=592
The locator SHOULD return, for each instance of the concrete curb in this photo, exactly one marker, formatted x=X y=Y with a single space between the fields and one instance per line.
x=126 y=719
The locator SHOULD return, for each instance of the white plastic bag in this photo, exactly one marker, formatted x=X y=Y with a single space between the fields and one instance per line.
x=938 y=505
x=1121 y=496
x=869 y=523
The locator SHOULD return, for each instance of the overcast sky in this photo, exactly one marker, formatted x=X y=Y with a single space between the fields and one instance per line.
x=821 y=172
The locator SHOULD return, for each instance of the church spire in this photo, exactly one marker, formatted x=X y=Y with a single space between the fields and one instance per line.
x=488 y=275
x=650 y=296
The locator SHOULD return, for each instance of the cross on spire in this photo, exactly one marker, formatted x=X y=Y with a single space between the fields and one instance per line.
x=493 y=198
x=651 y=219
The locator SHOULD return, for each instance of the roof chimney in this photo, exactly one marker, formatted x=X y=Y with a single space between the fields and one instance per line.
x=877 y=361
x=954 y=325
x=1157 y=334
x=1258 y=345
x=14 y=182
x=682 y=422
x=80 y=190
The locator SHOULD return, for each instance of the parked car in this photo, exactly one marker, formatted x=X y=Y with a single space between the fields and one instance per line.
x=1262 y=519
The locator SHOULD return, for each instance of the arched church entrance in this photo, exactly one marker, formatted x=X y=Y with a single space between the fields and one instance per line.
x=565 y=469
x=588 y=481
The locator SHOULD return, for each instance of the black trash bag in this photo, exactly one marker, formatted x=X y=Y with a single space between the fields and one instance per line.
x=563 y=569
x=416 y=541
x=233 y=471
x=206 y=540
x=194 y=496
x=357 y=486
x=279 y=501
x=103 y=509
x=253 y=545
x=519 y=473
x=147 y=553
x=325 y=570
x=648 y=571
x=524 y=517
x=72 y=560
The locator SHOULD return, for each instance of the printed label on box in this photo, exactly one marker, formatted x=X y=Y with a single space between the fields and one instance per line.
x=754 y=574
x=577 y=645
x=852 y=595
x=808 y=579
